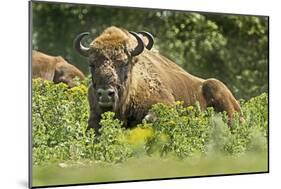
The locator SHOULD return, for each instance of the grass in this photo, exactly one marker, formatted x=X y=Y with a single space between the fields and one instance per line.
x=147 y=168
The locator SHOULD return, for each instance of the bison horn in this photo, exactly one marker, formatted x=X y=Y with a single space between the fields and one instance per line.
x=140 y=47
x=150 y=38
x=84 y=51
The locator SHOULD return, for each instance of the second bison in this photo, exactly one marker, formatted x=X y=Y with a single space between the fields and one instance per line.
x=54 y=68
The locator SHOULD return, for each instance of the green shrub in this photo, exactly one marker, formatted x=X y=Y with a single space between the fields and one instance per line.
x=111 y=146
x=59 y=122
x=182 y=131
x=185 y=131
x=254 y=130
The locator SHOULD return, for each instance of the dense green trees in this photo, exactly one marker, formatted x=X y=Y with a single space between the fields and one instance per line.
x=232 y=48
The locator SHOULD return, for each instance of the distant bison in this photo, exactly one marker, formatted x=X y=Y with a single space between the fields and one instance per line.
x=128 y=79
x=54 y=68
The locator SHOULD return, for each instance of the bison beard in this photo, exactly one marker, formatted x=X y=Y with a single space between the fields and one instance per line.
x=133 y=78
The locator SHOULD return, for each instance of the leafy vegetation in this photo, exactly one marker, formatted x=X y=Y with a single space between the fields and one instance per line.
x=59 y=122
x=205 y=44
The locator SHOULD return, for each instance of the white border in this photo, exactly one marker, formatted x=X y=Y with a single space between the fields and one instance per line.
x=14 y=92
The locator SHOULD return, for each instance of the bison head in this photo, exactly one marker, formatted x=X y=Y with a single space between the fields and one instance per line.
x=65 y=72
x=110 y=59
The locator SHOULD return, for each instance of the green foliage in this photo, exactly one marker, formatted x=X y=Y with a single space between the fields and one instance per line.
x=179 y=130
x=59 y=122
x=111 y=146
x=246 y=134
x=253 y=132
x=189 y=131
x=59 y=119
x=232 y=48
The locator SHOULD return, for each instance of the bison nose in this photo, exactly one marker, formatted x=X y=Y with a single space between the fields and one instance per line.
x=105 y=94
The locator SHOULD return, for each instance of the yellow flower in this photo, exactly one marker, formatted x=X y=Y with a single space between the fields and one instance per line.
x=79 y=88
x=138 y=135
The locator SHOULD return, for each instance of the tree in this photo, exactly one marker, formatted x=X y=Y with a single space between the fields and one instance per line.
x=232 y=48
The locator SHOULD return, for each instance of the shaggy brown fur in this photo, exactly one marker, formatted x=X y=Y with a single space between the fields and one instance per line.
x=146 y=79
x=54 y=69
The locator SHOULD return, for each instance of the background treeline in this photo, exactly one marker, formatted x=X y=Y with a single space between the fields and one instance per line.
x=232 y=48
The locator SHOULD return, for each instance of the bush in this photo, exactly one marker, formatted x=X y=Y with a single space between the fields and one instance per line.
x=59 y=122
x=185 y=131
x=111 y=146
x=179 y=130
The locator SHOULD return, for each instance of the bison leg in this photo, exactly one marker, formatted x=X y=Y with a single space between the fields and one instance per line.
x=217 y=95
x=93 y=123
x=94 y=118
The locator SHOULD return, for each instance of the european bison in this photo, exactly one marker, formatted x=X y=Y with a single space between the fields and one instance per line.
x=54 y=68
x=128 y=79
